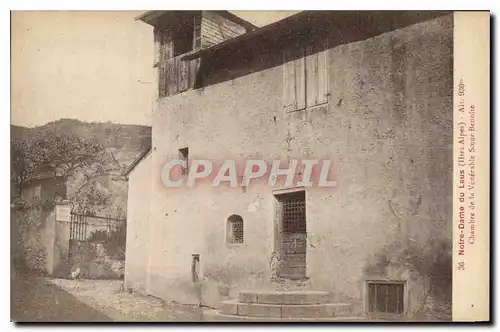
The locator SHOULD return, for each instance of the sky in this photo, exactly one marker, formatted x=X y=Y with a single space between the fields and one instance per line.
x=91 y=66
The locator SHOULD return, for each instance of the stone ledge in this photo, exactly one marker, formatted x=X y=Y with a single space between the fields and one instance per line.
x=229 y=307
x=315 y=310
x=290 y=297
x=213 y=315
x=259 y=310
x=233 y=307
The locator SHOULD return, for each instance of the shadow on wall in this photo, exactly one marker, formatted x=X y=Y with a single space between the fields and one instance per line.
x=30 y=237
x=429 y=262
x=263 y=51
x=223 y=281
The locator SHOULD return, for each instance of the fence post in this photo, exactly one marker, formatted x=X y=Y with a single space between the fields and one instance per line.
x=62 y=234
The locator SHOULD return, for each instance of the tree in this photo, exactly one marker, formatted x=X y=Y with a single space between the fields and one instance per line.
x=65 y=156
x=23 y=166
x=90 y=197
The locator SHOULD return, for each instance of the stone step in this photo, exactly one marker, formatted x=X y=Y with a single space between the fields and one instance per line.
x=214 y=315
x=285 y=297
x=235 y=307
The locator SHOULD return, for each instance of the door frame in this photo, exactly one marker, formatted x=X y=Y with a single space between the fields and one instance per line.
x=278 y=223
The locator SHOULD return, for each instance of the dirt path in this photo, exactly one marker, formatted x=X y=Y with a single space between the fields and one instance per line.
x=33 y=299
x=107 y=297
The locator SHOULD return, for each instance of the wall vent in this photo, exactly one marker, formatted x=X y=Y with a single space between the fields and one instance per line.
x=386 y=297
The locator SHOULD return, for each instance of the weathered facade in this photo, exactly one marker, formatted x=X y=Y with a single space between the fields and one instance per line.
x=372 y=92
x=40 y=239
x=138 y=216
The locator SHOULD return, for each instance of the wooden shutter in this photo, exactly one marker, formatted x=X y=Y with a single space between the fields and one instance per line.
x=157 y=38
x=197 y=32
x=300 y=82
x=183 y=75
x=294 y=94
x=161 y=64
x=172 y=74
x=289 y=101
x=317 y=75
x=194 y=66
x=164 y=54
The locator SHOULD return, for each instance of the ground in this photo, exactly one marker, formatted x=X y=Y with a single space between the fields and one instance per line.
x=37 y=299
x=42 y=299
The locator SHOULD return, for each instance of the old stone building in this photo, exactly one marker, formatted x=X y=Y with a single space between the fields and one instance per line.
x=370 y=91
x=44 y=187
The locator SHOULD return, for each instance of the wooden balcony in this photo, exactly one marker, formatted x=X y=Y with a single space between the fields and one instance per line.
x=176 y=75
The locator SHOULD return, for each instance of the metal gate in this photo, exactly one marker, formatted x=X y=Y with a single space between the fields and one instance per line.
x=88 y=233
x=82 y=226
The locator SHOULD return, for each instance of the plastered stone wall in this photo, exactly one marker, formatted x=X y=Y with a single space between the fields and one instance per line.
x=138 y=218
x=41 y=241
x=387 y=129
x=33 y=238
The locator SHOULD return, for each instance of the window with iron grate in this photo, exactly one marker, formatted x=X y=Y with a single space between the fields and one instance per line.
x=386 y=297
x=293 y=212
x=234 y=232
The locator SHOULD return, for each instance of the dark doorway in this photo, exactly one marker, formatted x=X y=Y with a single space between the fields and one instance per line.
x=291 y=234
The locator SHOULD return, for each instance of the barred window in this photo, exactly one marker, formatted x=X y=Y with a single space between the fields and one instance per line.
x=386 y=297
x=234 y=229
x=293 y=212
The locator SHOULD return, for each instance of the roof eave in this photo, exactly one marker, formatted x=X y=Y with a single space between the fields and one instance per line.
x=291 y=21
x=150 y=16
x=136 y=162
x=251 y=34
x=238 y=20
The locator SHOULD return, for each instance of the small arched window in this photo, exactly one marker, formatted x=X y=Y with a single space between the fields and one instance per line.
x=234 y=230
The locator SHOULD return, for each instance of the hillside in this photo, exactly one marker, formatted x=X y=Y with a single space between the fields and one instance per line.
x=126 y=142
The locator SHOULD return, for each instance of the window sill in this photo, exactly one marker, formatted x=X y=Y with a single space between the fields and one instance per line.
x=297 y=110
x=234 y=245
x=308 y=108
x=386 y=316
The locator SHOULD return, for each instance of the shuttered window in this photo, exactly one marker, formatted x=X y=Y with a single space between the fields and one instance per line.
x=317 y=75
x=294 y=80
x=305 y=77
x=174 y=74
